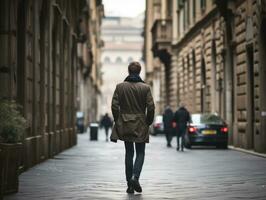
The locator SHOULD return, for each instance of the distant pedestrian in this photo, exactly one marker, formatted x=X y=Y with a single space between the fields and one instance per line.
x=181 y=117
x=133 y=111
x=107 y=123
x=168 y=124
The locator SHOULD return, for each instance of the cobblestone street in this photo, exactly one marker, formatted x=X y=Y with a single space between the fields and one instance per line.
x=95 y=170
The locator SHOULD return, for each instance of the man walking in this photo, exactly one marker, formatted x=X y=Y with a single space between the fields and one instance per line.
x=107 y=123
x=133 y=112
x=168 y=124
x=181 y=117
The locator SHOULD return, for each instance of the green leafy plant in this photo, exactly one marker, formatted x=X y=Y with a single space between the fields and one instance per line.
x=12 y=124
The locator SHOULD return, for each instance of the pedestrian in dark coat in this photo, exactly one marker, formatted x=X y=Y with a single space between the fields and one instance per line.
x=181 y=117
x=167 y=123
x=107 y=123
x=133 y=111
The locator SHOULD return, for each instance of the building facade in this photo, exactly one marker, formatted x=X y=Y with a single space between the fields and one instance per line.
x=211 y=56
x=89 y=56
x=41 y=68
x=123 y=44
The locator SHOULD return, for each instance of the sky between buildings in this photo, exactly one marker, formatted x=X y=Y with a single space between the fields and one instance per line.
x=123 y=8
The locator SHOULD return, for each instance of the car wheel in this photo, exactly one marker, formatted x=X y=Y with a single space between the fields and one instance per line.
x=187 y=143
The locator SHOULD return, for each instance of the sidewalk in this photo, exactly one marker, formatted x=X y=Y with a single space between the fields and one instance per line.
x=95 y=170
x=263 y=155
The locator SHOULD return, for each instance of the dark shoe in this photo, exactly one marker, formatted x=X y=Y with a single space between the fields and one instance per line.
x=136 y=185
x=177 y=148
x=182 y=149
x=130 y=190
x=169 y=145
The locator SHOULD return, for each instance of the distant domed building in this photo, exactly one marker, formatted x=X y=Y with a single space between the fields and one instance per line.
x=123 y=44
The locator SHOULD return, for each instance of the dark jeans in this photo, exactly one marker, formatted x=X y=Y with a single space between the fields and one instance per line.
x=168 y=134
x=182 y=141
x=181 y=134
x=106 y=128
x=134 y=170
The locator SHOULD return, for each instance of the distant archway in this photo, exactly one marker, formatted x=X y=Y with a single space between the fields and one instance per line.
x=118 y=60
x=106 y=59
x=130 y=59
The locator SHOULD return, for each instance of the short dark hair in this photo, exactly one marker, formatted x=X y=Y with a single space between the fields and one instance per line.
x=134 y=68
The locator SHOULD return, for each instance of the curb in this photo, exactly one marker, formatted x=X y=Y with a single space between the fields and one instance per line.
x=263 y=155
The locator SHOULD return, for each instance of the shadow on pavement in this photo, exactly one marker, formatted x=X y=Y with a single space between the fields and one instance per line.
x=134 y=197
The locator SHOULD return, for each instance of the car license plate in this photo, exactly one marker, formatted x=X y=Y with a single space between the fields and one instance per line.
x=209 y=132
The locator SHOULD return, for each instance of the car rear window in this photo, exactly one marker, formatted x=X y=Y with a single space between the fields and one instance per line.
x=158 y=119
x=206 y=119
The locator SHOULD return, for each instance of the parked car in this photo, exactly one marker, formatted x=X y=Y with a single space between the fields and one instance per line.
x=206 y=129
x=157 y=126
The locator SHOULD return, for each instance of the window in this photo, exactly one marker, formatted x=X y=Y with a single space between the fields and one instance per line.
x=188 y=73
x=183 y=77
x=188 y=12
x=202 y=5
x=180 y=3
x=130 y=59
x=203 y=86
x=118 y=60
x=194 y=6
x=185 y=17
x=169 y=8
x=107 y=59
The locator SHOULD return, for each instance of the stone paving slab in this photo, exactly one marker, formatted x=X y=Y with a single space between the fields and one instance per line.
x=95 y=170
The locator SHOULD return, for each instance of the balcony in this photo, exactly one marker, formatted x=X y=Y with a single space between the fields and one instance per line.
x=161 y=35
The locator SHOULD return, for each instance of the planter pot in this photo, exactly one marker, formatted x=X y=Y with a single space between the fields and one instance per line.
x=10 y=161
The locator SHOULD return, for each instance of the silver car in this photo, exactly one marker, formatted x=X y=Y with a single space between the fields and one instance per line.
x=157 y=126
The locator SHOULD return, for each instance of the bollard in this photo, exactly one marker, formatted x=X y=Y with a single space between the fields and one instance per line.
x=94 y=131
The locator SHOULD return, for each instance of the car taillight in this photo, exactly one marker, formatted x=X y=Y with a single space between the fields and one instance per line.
x=157 y=125
x=224 y=129
x=192 y=129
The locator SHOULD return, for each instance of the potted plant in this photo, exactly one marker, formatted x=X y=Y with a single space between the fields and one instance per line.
x=12 y=129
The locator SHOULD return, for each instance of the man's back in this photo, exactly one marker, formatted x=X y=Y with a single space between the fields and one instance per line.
x=182 y=116
x=168 y=118
x=133 y=111
x=132 y=97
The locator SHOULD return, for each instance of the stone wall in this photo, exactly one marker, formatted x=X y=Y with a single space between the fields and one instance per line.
x=39 y=66
x=218 y=64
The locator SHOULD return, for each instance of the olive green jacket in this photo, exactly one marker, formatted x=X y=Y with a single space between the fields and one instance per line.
x=133 y=112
